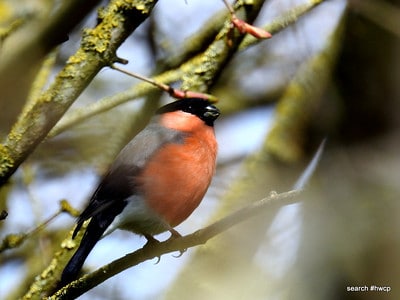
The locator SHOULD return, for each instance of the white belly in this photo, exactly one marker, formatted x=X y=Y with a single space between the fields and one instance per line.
x=138 y=218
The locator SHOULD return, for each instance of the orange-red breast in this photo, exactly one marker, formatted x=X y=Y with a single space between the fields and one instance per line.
x=156 y=181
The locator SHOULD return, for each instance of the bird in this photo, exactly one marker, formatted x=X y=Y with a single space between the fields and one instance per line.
x=155 y=182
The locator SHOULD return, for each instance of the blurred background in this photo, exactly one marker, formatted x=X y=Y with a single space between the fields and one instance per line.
x=332 y=73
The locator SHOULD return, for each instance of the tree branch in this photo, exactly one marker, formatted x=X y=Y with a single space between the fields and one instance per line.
x=98 y=49
x=153 y=250
x=24 y=49
x=283 y=21
x=208 y=66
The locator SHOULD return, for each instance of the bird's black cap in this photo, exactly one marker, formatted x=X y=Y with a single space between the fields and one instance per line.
x=196 y=106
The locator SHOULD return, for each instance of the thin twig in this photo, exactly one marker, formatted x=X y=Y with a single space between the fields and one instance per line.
x=15 y=240
x=229 y=6
x=176 y=93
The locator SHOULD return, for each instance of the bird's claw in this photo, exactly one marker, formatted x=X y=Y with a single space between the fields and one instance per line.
x=158 y=260
x=180 y=253
x=174 y=235
x=150 y=242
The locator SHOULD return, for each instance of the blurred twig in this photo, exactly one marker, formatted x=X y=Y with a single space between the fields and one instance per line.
x=3 y=215
x=380 y=12
x=282 y=22
x=15 y=240
x=300 y=100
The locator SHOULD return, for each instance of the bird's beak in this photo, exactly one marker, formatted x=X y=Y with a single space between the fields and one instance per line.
x=212 y=112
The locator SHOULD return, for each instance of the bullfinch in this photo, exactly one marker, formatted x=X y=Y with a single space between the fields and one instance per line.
x=156 y=181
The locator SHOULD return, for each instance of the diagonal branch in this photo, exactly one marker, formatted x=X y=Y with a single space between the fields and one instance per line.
x=98 y=49
x=153 y=250
x=23 y=51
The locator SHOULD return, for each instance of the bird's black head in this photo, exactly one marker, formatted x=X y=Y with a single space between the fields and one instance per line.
x=196 y=106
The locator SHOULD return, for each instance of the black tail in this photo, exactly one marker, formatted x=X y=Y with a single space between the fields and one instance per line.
x=92 y=235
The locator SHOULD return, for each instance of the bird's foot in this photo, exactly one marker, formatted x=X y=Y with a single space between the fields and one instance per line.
x=151 y=241
x=174 y=235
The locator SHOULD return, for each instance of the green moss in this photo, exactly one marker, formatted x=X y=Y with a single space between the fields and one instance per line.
x=141 y=5
x=12 y=241
x=66 y=207
x=77 y=58
x=99 y=38
x=96 y=40
x=6 y=161
x=6 y=12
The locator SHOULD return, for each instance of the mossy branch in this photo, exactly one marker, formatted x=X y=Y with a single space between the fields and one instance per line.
x=98 y=49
